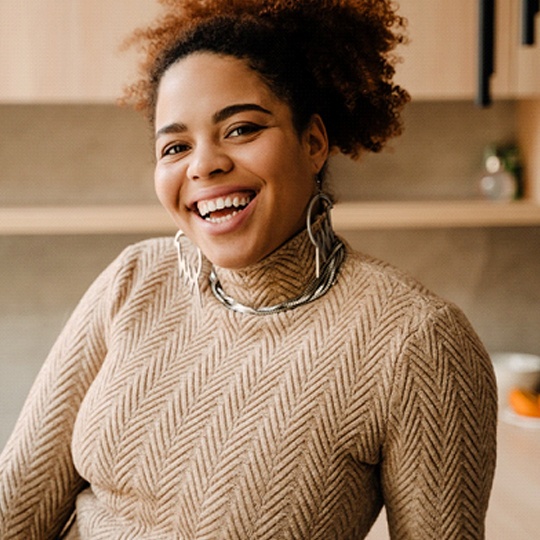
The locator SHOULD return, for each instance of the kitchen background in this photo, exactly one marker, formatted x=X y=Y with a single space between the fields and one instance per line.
x=84 y=154
x=64 y=143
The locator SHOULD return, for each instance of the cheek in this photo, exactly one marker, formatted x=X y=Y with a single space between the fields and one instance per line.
x=281 y=164
x=295 y=180
x=166 y=186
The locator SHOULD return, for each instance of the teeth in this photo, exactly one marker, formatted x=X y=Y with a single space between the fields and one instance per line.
x=207 y=207
x=222 y=219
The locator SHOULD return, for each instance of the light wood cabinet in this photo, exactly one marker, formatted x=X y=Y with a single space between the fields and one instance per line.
x=440 y=60
x=67 y=50
x=529 y=143
x=526 y=69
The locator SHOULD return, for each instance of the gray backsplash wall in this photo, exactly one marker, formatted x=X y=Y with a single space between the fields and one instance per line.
x=101 y=154
x=438 y=156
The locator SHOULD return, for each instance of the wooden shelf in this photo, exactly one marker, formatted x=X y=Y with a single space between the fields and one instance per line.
x=100 y=219
x=435 y=214
x=350 y=216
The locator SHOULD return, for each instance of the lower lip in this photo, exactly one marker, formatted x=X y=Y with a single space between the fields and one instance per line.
x=232 y=224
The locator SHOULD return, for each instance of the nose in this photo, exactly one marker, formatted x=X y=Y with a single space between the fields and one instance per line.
x=208 y=160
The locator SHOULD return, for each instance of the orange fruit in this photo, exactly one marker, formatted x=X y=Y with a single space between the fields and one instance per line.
x=524 y=402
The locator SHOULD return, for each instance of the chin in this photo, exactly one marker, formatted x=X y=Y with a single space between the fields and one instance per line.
x=233 y=254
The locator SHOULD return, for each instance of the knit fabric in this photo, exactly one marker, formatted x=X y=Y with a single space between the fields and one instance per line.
x=160 y=420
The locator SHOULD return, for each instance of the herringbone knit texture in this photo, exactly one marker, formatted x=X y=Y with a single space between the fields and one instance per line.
x=161 y=421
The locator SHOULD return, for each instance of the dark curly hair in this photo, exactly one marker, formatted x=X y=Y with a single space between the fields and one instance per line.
x=333 y=58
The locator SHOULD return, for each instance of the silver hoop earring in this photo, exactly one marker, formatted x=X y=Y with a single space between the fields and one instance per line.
x=189 y=272
x=324 y=239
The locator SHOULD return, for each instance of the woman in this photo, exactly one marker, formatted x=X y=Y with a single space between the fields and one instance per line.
x=256 y=378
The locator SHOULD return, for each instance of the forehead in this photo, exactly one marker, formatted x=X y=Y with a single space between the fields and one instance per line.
x=203 y=83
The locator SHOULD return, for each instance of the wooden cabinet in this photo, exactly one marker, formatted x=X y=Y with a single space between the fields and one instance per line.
x=527 y=59
x=440 y=61
x=441 y=56
x=529 y=143
x=67 y=50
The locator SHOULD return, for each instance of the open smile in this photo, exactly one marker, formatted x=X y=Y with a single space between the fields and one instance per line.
x=221 y=209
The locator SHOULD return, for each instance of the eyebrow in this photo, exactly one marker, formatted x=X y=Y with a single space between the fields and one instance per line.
x=231 y=110
x=220 y=116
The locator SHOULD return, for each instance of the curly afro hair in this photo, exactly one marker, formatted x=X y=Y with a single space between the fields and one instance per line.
x=333 y=58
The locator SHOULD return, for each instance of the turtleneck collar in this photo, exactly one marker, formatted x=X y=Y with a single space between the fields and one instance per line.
x=280 y=276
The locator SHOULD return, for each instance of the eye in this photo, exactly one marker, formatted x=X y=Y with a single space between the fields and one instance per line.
x=244 y=130
x=175 y=149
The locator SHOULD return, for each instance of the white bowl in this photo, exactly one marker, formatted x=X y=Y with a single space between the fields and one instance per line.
x=515 y=370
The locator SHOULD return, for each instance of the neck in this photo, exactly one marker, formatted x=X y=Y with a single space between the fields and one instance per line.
x=283 y=280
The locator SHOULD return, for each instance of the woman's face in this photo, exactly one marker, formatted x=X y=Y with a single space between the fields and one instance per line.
x=231 y=169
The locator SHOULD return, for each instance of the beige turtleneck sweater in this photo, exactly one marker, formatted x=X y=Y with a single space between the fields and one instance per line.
x=158 y=420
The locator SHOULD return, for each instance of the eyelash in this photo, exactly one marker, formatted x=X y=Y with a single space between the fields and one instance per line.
x=246 y=129
x=175 y=149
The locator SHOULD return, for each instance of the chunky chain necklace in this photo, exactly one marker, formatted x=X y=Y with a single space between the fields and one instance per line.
x=317 y=288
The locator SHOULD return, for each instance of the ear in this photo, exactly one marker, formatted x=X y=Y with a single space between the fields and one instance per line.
x=316 y=140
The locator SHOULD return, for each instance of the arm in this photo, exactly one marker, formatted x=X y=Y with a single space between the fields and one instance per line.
x=439 y=453
x=38 y=482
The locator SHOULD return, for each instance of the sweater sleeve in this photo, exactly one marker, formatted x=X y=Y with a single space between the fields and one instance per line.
x=439 y=452
x=38 y=481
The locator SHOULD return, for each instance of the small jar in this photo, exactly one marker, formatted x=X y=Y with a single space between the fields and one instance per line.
x=497 y=184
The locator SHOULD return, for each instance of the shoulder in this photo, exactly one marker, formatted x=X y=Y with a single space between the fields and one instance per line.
x=416 y=334
x=375 y=281
x=147 y=257
x=157 y=250
x=138 y=265
x=390 y=299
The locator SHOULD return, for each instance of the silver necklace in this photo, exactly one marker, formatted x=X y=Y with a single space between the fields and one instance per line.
x=317 y=288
